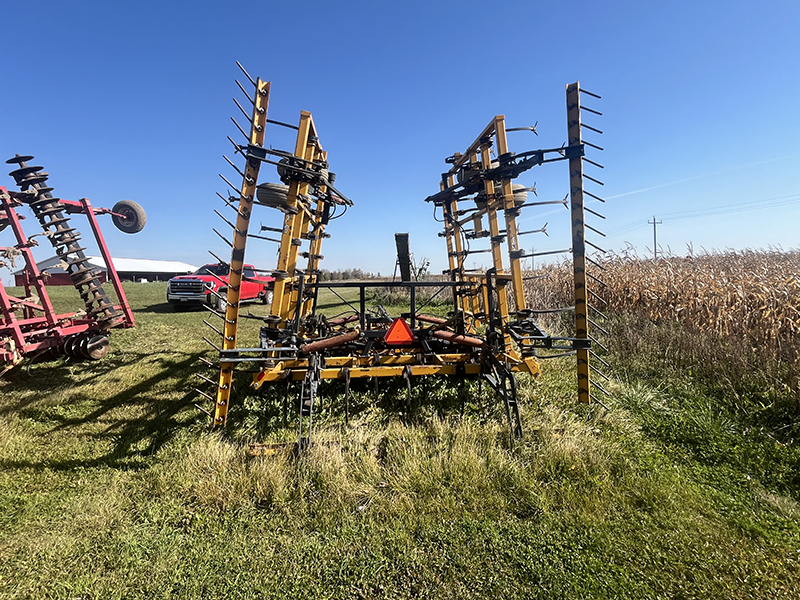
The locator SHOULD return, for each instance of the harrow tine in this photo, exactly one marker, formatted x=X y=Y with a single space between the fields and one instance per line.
x=219 y=214
x=594 y=399
x=213 y=345
x=594 y=341
x=237 y=169
x=601 y=388
x=599 y=372
x=597 y=297
x=597 y=231
x=244 y=112
x=597 y=181
x=602 y=316
x=596 y=326
x=224 y=239
x=219 y=260
x=596 y=264
x=595 y=146
x=597 y=279
x=246 y=74
x=591 y=110
x=206 y=379
x=226 y=201
x=229 y=183
x=213 y=328
x=588 y=93
x=208 y=363
x=203 y=394
x=594 y=212
x=591 y=162
x=591 y=128
x=237 y=147
x=239 y=127
x=244 y=92
x=201 y=409
x=594 y=355
x=596 y=247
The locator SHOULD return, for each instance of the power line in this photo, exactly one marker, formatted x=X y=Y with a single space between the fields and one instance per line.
x=655 y=243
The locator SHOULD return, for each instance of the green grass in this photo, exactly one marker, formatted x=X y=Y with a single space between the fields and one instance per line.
x=111 y=485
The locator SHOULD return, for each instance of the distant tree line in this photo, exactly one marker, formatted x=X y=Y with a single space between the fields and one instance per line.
x=345 y=274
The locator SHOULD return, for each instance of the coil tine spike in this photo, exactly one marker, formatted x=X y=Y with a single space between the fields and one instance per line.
x=598 y=198
x=239 y=127
x=591 y=162
x=206 y=379
x=601 y=388
x=598 y=402
x=227 y=202
x=596 y=247
x=207 y=363
x=598 y=232
x=599 y=372
x=595 y=263
x=212 y=344
x=244 y=112
x=261 y=237
x=224 y=239
x=237 y=147
x=275 y=229
x=244 y=91
x=201 y=409
x=214 y=312
x=591 y=110
x=588 y=93
x=597 y=181
x=594 y=341
x=596 y=326
x=219 y=214
x=246 y=74
x=594 y=355
x=595 y=146
x=602 y=315
x=229 y=183
x=213 y=328
x=282 y=124
x=593 y=278
x=594 y=212
x=231 y=163
x=219 y=260
x=598 y=298
x=202 y=393
x=589 y=127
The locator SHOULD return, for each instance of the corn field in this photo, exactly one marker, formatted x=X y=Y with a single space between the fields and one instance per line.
x=749 y=296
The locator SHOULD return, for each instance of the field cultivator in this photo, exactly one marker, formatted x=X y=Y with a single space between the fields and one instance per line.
x=29 y=326
x=489 y=332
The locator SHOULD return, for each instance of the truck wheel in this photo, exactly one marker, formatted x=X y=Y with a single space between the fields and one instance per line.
x=267 y=297
x=221 y=304
x=132 y=217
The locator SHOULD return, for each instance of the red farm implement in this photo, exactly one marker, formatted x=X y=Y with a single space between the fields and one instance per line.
x=30 y=327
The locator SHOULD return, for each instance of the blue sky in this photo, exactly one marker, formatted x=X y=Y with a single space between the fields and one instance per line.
x=133 y=100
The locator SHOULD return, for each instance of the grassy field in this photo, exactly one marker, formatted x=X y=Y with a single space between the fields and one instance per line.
x=112 y=486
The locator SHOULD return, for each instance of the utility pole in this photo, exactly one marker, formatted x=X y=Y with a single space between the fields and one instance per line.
x=654 y=223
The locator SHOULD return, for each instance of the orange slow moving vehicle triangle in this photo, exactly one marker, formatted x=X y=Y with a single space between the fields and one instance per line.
x=399 y=333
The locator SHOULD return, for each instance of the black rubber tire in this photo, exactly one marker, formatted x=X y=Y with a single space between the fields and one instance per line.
x=133 y=219
x=266 y=297
x=220 y=304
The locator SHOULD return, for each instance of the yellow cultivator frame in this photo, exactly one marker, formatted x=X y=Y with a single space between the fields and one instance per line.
x=489 y=332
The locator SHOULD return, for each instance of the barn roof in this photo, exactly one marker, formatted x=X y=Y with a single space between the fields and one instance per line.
x=123 y=265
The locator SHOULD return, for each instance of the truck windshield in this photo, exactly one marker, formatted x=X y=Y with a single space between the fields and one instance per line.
x=218 y=270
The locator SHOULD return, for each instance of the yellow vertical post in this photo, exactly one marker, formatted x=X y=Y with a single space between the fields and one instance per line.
x=245 y=208
x=510 y=217
x=578 y=236
x=315 y=245
x=292 y=226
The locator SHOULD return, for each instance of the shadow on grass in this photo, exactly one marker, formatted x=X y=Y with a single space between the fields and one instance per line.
x=134 y=438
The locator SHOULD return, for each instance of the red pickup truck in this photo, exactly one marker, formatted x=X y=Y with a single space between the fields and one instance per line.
x=197 y=288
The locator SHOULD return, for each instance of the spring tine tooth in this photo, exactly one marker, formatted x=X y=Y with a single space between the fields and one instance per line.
x=201 y=409
x=275 y=229
x=203 y=394
x=244 y=91
x=208 y=363
x=235 y=168
x=594 y=399
x=596 y=326
x=206 y=379
x=214 y=312
x=593 y=196
x=595 y=263
x=597 y=231
x=219 y=214
x=598 y=298
x=596 y=247
x=599 y=372
x=591 y=110
x=261 y=237
x=591 y=128
x=212 y=344
x=219 y=260
x=237 y=147
x=228 y=182
x=224 y=239
x=597 y=181
x=239 y=127
x=594 y=212
x=246 y=74
x=597 y=279
x=594 y=355
x=227 y=202
x=602 y=316
x=595 y=146
x=594 y=341
x=213 y=328
x=588 y=93
x=601 y=388
x=591 y=162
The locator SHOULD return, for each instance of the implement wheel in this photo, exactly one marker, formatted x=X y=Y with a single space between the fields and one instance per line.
x=130 y=217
